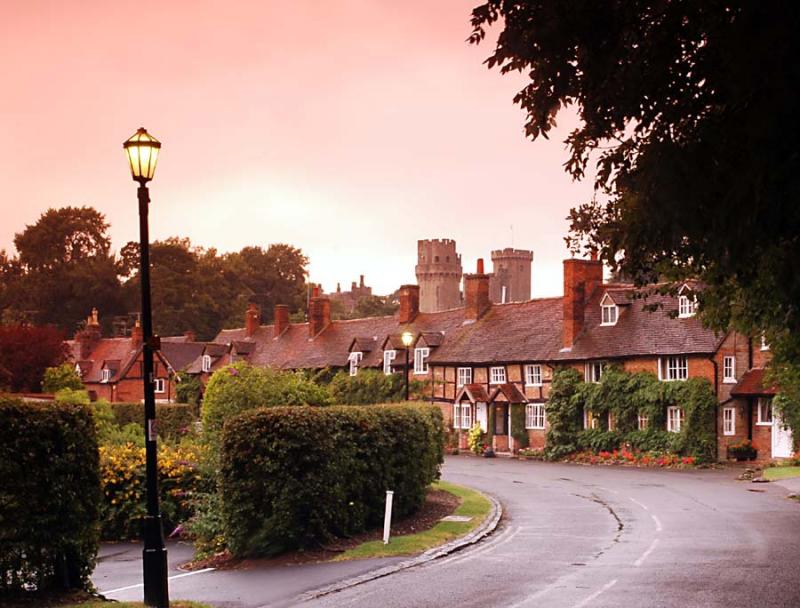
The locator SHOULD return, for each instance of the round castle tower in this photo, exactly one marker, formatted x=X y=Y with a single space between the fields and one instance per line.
x=511 y=277
x=438 y=275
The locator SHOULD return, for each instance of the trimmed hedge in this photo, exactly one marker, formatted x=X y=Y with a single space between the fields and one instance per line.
x=294 y=477
x=49 y=496
x=173 y=420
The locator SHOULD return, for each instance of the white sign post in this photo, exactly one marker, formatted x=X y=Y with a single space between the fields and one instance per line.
x=387 y=518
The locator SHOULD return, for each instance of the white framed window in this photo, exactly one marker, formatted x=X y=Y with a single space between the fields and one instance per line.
x=79 y=371
x=456 y=415
x=608 y=312
x=160 y=385
x=466 y=415
x=764 y=344
x=533 y=375
x=729 y=421
x=590 y=421
x=687 y=306
x=594 y=371
x=534 y=416
x=673 y=368
x=388 y=358
x=675 y=418
x=497 y=375
x=764 y=411
x=105 y=375
x=643 y=422
x=206 y=363
x=421 y=355
x=464 y=376
x=354 y=358
x=729 y=369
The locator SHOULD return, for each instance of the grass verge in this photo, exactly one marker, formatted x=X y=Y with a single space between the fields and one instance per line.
x=773 y=473
x=473 y=504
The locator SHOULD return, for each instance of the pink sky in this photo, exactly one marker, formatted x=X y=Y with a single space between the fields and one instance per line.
x=347 y=128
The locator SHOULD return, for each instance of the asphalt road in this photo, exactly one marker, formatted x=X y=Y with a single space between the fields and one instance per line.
x=572 y=536
x=609 y=537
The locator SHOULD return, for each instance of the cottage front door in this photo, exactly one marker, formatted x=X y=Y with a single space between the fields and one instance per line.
x=781 y=438
x=500 y=427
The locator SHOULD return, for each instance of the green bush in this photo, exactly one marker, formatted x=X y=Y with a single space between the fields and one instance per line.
x=189 y=389
x=367 y=387
x=241 y=387
x=598 y=440
x=564 y=414
x=49 y=496
x=652 y=440
x=296 y=477
x=61 y=377
x=173 y=420
x=122 y=469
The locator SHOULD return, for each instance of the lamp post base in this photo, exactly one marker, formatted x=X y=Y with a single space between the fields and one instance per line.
x=154 y=559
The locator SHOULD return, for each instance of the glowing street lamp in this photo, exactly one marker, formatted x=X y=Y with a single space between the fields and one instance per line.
x=407 y=338
x=142 y=149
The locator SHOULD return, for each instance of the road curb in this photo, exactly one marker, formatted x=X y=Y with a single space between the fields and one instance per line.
x=486 y=528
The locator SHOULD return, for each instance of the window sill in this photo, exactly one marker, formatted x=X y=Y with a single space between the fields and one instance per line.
x=729 y=381
x=534 y=428
x=729 y=434
x=763 y=423
x=534 y=385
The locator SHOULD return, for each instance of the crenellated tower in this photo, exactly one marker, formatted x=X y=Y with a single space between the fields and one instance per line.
x=438 y=275
x=511 y=276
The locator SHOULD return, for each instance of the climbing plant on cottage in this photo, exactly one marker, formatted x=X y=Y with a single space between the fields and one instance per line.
x=630 y=408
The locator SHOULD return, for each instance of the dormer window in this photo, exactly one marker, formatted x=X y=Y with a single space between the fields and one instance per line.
x=105 y=375
x=79 y=371
x=687 y=303
x=609 y=311
x=764 y=343
x=388 y=357
x=421 y=355
x=355 y=358
x=206 y=363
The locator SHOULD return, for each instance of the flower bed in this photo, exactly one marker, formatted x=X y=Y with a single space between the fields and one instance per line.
x=634 y=458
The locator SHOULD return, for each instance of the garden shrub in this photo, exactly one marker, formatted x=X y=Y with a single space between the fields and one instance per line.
x=122 y=469
x=294 y=477
x=61 y=377
x=49 y=496
x=367 y=387
x=518 y=430
x=188 y=389
x=652 y=440
x=241 y=387
x=476 y=439
x=173 y=420
x=599 y=440
x=564 y=414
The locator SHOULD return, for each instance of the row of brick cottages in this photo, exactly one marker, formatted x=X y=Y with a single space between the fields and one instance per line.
x=483 y=355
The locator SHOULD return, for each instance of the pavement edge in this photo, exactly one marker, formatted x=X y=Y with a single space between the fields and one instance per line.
x=487 y=527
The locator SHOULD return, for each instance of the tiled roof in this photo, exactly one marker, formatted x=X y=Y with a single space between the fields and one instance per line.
x=180 y=354
x=639 y=332
x=507 y=392
x=521 y=331
x=113 y=353
x=752 y=385
x=474 y=393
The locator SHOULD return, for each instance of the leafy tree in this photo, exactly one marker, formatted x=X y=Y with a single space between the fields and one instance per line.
x=63 y=269
x=689 y=111
x=26 y=352
x=62 y=377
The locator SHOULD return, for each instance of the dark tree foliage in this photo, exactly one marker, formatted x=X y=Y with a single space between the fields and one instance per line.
x=26 y=352
x=690 y=112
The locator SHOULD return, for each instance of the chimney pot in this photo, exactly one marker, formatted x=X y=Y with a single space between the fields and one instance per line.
x=480 y=266
x=137 y=335
x=319 y=315
x=252 y=320
x=409 y=303
x=476 y=294
x=281 y=319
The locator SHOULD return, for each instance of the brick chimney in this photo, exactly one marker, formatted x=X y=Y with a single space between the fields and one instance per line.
x=137 y=335
x=581 y=278
x=89 y=337
x=409 y=303
x=319 y=313
x=476 y=293
x=281 y=322
x=252 y=320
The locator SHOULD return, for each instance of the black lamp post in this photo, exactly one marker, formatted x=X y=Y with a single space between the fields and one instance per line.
x=407 y=338
x=143 y=149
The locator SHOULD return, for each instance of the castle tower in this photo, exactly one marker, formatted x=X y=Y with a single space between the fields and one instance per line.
x=438 y=275
x=511 y=278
